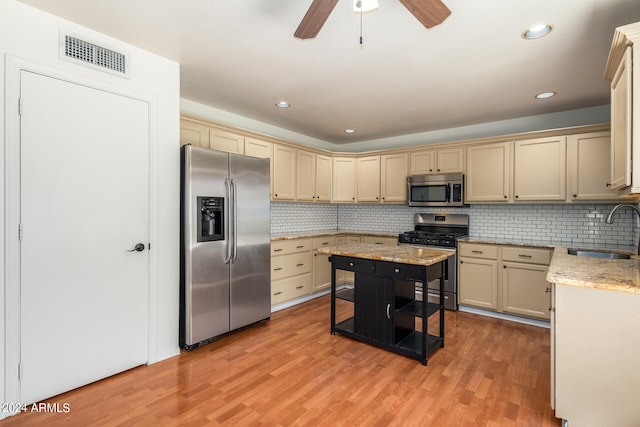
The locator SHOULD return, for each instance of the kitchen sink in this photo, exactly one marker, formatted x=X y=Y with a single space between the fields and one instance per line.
x=597 y=254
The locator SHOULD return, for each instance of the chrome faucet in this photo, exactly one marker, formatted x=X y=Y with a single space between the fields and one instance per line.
x=609 y=219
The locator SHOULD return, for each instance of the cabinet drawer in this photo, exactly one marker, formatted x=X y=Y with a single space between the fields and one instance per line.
x=283 y=247
x=321 y=242
x=293 y=287
x=528 y=255
x=380 y=240
x=290 y=265
x=354 y=264
x=478 y=250
x=400 y=271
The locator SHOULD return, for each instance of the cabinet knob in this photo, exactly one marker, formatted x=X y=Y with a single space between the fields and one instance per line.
x=548 y=290
x=517 y=196
x=461 y=262
x=350 y=264
x=397 y=270
x=505 y=197
x=575 y=195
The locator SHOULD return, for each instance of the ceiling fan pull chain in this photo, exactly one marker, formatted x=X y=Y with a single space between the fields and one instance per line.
x=360 y=25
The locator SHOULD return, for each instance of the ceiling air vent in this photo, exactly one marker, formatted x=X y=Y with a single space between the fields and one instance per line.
x=95 y=56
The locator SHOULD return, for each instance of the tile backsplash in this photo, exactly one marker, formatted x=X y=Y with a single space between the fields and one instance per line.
x=571 y=223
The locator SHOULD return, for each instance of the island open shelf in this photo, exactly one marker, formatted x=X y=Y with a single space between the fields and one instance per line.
x=385 y=311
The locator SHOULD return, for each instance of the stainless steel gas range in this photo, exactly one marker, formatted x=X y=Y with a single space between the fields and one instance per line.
x=439 y=231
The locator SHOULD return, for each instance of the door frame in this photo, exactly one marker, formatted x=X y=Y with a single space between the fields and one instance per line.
x=10 y=322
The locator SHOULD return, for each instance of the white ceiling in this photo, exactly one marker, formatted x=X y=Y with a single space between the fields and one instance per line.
x=241 y=57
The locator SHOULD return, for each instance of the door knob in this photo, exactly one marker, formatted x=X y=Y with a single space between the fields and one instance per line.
x=139 y=247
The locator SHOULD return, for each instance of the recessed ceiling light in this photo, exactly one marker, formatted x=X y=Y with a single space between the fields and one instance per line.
x=537 y=31
x=545 y=95
x=283 y=104
x=349 y=131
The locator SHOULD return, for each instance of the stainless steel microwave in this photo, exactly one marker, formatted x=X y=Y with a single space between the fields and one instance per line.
x=436 y=190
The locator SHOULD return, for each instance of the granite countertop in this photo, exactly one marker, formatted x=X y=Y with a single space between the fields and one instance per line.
x=621 y=275
x=320 y=233
x=400 y=254
x=548 y=243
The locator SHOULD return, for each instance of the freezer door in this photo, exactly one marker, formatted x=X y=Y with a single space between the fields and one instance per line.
x=251 y=262
x=204 y=299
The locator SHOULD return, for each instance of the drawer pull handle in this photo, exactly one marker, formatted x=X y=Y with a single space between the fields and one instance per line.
x=300 y=287
x=397 y=270
x=325 y=243
x=277 y=293
x=277 y=250
x=299 y=265
x=379 y=243
x=350 y=264
x=300 y=247
x=477 y=252
x=388 y=311
x=548 y=290
x=277 y=269
x=525 y=256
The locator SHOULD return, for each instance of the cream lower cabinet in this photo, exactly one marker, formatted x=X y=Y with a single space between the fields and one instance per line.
x=321 y=264
x=478 y=276
x=380 y=240
x=507 y=279
x=291 y=266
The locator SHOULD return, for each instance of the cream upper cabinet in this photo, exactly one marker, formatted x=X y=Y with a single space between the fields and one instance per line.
x=284 y=172
x=194 y=133
x=258 y=148
x=306 y=175
x=623 y=70
x=344 y=180
x=488 y=173
x=588 y=166
x=393 y=177
x=539 y=169
x=368 y=183
x=323 y=178
x=446 y=160
x=226 y=141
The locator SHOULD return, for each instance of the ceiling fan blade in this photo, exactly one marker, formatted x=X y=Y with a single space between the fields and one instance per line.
x=314 y=19
x=429 y=12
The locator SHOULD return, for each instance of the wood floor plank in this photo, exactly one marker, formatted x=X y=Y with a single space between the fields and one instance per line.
x=292 y=371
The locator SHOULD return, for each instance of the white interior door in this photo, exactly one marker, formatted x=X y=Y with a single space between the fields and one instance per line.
x=83 y=204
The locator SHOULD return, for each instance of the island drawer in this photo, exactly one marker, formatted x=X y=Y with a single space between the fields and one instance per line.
x=354 y=264
x=528 y=255
x=400 y=271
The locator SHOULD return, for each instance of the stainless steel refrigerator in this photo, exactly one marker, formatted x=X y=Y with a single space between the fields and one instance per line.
x=225 y=244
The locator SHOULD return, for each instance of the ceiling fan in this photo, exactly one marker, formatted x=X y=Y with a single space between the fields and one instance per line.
x=429 y=12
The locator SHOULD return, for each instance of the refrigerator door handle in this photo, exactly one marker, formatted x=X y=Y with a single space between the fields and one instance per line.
x=234 y=204
x=227 y=222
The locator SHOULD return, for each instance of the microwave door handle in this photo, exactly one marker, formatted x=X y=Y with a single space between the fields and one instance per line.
x=448 y=193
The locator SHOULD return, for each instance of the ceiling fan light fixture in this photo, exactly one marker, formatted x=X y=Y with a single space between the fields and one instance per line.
x=537 y=31
x=365 y=5
x=545 y=95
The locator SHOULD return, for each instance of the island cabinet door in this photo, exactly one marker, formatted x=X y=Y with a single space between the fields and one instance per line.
x=373 y=307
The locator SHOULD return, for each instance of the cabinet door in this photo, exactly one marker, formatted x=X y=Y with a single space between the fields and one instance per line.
x=540 y=169
x=323 y=178
x=524 y=290
x=284 y=172
x=423 y=162
x=450 y=160
x=393 y=173
x=588 y=166
x=488 y=173
x=321 y=264
x=226 y=141
x=306 y=175
x=373 y=307
x=478 y=283
x=621 y=113
x=344 y=179
x=368 y=185
x=258 y=148
x=194 y=133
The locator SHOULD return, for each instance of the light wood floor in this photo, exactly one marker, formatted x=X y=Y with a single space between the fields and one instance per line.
x=292 y=371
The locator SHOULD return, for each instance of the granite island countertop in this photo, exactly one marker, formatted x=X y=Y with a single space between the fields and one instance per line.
x=620 y=275
x=400 y=254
